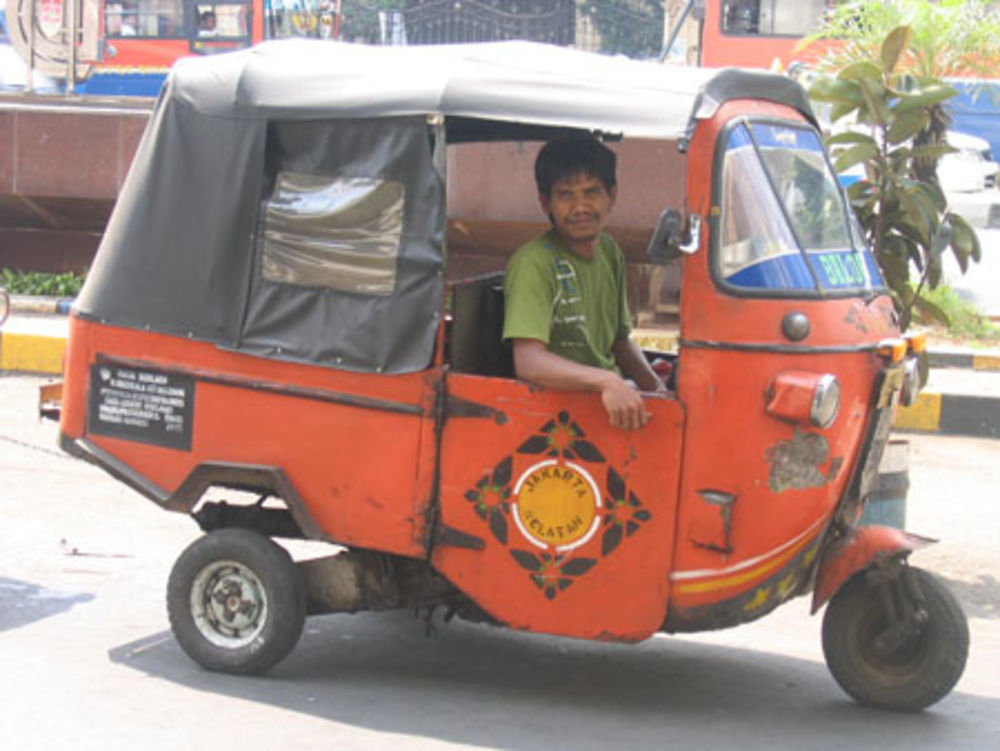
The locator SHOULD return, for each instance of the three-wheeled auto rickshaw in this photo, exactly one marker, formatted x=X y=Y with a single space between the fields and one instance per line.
x=299 y=297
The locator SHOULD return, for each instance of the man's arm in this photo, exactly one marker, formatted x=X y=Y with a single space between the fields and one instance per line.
x=635 y=366
x=534 y=363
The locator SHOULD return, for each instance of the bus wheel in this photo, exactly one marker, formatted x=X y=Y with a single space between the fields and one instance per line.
x=236 y=602
x=896 y=639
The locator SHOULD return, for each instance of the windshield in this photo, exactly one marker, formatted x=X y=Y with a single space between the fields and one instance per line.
x=784 y=221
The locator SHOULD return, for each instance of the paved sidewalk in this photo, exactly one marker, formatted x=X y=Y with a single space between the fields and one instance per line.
x=962 y=396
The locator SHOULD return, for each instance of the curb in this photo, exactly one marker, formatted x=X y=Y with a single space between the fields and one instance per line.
x=39 y=305
x=970 y=360
x=31 y=353
x=951 y=414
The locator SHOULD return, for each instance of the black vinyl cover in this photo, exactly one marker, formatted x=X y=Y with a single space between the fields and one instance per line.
x=181 y=254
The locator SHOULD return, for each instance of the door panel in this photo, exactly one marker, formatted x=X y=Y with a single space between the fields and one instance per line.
x=550 y=519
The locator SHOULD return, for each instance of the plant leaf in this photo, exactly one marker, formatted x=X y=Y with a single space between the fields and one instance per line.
x=842 y=109
x=835 y=91
x=964 y=237
x=935 y=151
x=863 y=70
x=931 y=310
x=924 y=98
x=849 y=137
x=855 y=155
x=894 y=46
x=906 y=125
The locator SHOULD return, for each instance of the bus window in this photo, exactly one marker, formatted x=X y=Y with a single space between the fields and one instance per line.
x=301 y=18
x=772 y=17
x=222 y=20
x=144 y=18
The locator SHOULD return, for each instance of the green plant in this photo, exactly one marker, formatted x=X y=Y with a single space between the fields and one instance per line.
x=964 y=321
x=892 y=115
x=67 y=284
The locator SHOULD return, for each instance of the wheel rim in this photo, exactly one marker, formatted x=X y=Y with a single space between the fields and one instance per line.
x=905 y=661
x=228 y=604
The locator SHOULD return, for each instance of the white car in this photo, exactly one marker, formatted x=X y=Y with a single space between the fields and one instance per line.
x=971 y=168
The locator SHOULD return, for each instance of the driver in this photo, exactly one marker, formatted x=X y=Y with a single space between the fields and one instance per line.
x=566 y=311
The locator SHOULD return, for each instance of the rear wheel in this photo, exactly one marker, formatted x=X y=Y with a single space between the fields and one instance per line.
x=897 y=640
x=236 y=602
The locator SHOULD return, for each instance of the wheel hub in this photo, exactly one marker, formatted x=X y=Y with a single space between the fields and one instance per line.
x=228 y=604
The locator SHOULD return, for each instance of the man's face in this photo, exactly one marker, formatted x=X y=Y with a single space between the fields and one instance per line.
x=579 y=207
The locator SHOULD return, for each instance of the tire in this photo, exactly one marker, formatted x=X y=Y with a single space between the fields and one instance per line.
x=918 y=672
x=236 y=602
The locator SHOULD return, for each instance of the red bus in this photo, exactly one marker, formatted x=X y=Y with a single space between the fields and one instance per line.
x=746 y=33
x=127 y=46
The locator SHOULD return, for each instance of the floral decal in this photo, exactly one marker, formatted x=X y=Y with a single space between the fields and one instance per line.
x=562 y=438
x=491 y=497
x=550 y=569
x=552 y=574
x=622 y=516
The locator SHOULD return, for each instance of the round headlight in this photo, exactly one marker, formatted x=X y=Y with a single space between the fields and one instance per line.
x=826 y=401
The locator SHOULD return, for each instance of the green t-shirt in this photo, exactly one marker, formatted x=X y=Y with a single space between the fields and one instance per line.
x=576 y=305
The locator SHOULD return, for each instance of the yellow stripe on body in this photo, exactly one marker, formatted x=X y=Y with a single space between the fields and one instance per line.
x=743 y=576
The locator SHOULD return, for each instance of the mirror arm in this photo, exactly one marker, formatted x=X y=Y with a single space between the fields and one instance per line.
x=694 y=235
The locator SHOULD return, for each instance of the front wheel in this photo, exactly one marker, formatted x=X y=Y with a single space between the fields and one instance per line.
x=897 y=642
x=236 y=602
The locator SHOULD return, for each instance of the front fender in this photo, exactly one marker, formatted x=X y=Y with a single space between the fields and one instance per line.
x=859 y=549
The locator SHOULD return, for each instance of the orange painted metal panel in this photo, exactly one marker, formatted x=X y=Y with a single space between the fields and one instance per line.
x=781 y=480
x=576 y=518
x=361 y=471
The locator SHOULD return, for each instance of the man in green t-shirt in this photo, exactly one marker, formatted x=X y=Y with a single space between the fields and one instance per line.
x=566 y=311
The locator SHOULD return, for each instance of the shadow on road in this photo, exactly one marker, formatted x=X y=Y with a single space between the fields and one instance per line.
x=22 y=603
x=487 y=687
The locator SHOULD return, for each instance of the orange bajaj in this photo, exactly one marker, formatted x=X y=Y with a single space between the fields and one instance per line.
x=298 y=301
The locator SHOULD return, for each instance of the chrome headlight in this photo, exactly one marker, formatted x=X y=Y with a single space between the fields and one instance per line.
x=803 y=397
x=826 y=401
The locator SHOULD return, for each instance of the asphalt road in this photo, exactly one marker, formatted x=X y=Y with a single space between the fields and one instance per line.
x=87 y=660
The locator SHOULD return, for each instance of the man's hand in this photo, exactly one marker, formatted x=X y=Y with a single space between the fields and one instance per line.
x=624 y=405
x=533 y=362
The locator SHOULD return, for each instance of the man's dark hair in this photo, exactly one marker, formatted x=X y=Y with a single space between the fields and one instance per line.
x=562 y=158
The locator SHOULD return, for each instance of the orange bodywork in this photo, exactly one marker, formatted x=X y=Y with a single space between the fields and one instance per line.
x=711 y=515
x=594 y=573
x=783 y=480
x=364 y=473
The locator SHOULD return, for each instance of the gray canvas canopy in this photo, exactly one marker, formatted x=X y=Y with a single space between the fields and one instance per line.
x=288 y=200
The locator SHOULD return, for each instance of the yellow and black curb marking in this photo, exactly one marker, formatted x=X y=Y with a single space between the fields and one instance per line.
x=952 y=414
x=966 y=360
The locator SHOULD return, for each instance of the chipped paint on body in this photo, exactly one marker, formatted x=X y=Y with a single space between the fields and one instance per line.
x=795 y=464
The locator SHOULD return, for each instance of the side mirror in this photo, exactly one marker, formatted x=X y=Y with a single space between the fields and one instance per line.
x=669 y=240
